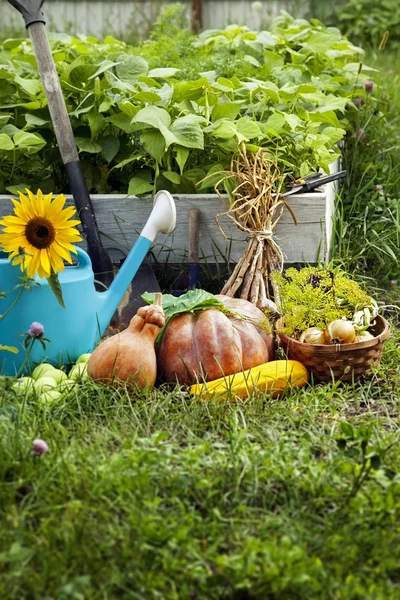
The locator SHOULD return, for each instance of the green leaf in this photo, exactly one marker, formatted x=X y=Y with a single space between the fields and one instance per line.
x=154 y=143
x=293 y=121
x=34 y=120
x=182 y=154
x=191 y=90
x=146 y=96
x=248 y=128
x=172 y=176
x=86 y=145
x=187 y=132
x=276 y=123
x=163 y=73
x=9 y=349
x=6 y=142
x=19 y=187
x=251 y=60
x=105 y=105
x=31 y=86
x=80 y=75
x=55 y=287
x=4 y=119
x=214 y=176
x=229 y=110
x=128 y=108
x=130 y=67
x=96 y=123
x=110 y=145
x=31 y=142
x=104 y=66
x=138 y=186
x=153 y=116
x=223 y=129
x=273 y=60
x=192 y=301
x=121 y=121
x=320 y=41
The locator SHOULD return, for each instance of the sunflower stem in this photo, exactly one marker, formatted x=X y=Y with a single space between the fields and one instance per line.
x=13 y=303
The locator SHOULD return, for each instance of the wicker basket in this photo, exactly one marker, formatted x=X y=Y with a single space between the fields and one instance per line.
x=346 y=362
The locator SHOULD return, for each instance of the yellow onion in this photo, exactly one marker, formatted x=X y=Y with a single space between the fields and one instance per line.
x=340 y=331
x=313 y=335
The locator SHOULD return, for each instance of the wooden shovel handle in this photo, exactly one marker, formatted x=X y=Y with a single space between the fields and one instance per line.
x=102 y=264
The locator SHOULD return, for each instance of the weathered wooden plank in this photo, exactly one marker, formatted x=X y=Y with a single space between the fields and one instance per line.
x=121 y=219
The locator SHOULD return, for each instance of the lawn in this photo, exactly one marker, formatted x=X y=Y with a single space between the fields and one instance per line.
x=158 y=496
x=161 y=496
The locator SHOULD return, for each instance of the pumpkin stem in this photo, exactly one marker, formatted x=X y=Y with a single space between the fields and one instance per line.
x=158 y=299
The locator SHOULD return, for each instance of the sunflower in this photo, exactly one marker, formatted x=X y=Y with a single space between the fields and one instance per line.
x=39 y=235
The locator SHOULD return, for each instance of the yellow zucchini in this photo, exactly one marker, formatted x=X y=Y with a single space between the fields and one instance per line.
x=272 y=377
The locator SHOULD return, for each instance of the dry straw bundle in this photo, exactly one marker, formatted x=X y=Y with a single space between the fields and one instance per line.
x=256 y=207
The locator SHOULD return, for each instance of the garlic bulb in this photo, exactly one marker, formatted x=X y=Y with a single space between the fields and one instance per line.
x=313 y=335
x=340 y=331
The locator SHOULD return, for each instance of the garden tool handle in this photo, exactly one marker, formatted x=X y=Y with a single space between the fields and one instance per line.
x=102 y=265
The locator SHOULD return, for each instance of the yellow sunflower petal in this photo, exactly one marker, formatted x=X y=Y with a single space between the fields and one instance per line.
x=61 y=250
x=12 y=220
x=56 y=207
x=62 y=217
x=46 y=202
x=15 y=229
x=56 y=260
x=34 y=265
x=65 y=244
x=23 y=211
x=45 y=263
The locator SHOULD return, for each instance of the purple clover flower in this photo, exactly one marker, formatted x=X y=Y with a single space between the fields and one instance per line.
x=358 y=101
x=39 y=447
x=360 y=134
x=36 y=330
x=369 y=86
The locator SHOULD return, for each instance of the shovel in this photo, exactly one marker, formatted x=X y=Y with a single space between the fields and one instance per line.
x=35 y=23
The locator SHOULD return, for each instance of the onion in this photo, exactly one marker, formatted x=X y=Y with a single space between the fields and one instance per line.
x=340 y=331
x=363 y=336
x=313 y=335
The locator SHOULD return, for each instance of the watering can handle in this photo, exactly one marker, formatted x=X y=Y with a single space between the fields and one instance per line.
x=83 y=259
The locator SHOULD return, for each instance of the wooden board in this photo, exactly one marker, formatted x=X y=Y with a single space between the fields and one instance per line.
x=121 y=218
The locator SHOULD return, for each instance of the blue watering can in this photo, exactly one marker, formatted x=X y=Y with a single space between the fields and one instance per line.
x=77 y=328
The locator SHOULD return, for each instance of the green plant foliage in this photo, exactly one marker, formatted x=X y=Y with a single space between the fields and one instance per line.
x=313 y=297
x=163 y=114
x=367 y=223
x=366 y=21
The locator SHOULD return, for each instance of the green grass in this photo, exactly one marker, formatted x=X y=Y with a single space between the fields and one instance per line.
x=367 y=224
x=159 y=496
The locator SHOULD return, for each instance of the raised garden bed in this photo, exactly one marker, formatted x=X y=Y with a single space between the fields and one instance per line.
x=121 y=218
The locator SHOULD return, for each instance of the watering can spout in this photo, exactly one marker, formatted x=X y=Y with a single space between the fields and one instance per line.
x=162 y=219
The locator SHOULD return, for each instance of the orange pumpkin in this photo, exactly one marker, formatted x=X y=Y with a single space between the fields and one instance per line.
x=210 y=344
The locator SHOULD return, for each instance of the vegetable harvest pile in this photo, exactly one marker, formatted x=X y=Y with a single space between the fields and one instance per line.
x=321 y=307
x=221 y=346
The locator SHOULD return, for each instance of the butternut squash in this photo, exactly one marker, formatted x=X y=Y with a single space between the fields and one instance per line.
x=272 y=377
x=130 y=355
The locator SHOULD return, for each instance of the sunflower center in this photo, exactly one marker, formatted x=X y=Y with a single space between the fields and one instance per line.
x=40 y=233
